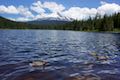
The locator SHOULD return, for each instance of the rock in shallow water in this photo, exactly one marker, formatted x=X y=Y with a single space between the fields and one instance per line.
x=37 y=65
x=89 y=76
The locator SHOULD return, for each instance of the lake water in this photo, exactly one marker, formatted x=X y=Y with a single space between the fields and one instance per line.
x=70 y=55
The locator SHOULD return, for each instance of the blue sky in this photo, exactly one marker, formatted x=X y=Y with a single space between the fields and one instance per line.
x=68 y=6
x=66 y=3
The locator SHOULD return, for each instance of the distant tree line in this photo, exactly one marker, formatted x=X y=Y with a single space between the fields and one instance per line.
x=98 y=23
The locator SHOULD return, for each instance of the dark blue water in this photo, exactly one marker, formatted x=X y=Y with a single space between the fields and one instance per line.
x=69 y=54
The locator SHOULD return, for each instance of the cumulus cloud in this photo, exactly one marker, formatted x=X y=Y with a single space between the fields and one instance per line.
x=80 y=13
x=84 y=13
x=21 y=10
x=58 y=10
x=9 y=10
x=25 y=12
x=40 y=8
x=53 y=7
x=108 y=8
x=47 y=15
x=37 y=7
x=103 y=2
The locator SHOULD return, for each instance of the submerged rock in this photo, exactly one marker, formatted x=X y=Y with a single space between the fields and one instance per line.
x=37 y=64
x=102 y=57
x=88 y=76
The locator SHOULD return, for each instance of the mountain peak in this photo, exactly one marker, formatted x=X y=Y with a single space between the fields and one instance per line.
x=58 y=17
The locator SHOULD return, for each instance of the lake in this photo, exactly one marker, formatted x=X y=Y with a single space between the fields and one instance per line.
x=71 y=55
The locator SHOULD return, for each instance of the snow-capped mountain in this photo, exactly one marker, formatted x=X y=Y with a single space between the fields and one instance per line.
x=52 y=20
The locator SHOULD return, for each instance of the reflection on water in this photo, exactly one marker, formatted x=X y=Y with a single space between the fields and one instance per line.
x=70 y=55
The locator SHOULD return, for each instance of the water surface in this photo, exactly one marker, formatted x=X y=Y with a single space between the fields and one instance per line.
x=67 y=52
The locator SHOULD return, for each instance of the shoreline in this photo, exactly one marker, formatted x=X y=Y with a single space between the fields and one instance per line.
x=69 y=30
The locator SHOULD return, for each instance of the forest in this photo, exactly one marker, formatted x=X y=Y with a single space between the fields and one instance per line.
x=98 y=23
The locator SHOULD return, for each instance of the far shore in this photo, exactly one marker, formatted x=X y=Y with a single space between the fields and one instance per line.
x=115 y=31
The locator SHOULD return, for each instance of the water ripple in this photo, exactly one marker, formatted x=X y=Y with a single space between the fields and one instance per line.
x=71 y=55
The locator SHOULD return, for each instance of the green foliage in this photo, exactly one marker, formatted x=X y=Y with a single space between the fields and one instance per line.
x=98 y=23
x=105 y=23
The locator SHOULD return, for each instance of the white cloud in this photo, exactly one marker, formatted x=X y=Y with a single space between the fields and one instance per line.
x=53 y=7
x=75 y=12
x=47 y=15
x=40 y=8
x=108 y=8
x=78 y=13
x=84 y=13
x=22 y=19
x=37 y=7
x=25 y=12
x=9 y=10
x=102 y=2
